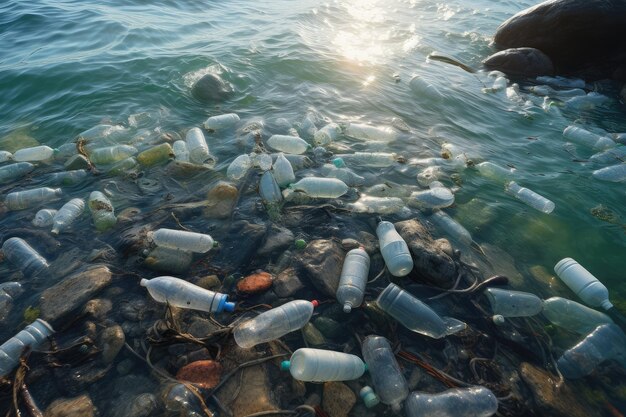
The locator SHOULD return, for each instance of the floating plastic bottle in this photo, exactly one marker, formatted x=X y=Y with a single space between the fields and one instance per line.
x=269 y=189
x=20 y=200
x=438 y=197
x=197 y=146
x=23 y=256
x=13 y=171
x=609 y=156
x=288 y=144
x=37 y=153
x=451 y=227
x=423 y=88
x=327 y=134
x=378 y=205
x=562 y=82
x=369 y=397
x=587 y=138
x=587 y=287
x=102 y=211
x=5 y=156
x=349 y=177
x=261 y=160
x=156 y=155
x=180 y=239
x=351 y=289
x=67 y=178
x=123 y=166
x=67 y=214
x=429 y=175
x=389 y=189
x=369 y=159
x=454 y=163
x=223 y=121
x=573 y=316
x=367 y=132
x=509 y=303
x=32 y=337
x=494 y=172
x=111 y=154
x=174 y=261
x=530 y=197
x=389 y=383
x=321 y=187
x=394 y=250
x=318 y=365
x=180 y=151
x=614 y=173
x=183 y=294
x=457 y=402
x=606 y=342
x=239 y=167
x=283 y=171
x=8 y=292
x=415 y=315
x=274 y=323
x=297 y=161
x=44 y=217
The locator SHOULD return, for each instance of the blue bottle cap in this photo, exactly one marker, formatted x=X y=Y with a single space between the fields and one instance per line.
x=339 y=163
x=285 y=365
x=225 y=305
x=369 y=397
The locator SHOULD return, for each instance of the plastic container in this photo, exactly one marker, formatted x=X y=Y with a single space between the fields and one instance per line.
x=156 y=155
x=223 y=121
x=587 y=287
x=5 y=156
x=32 y=337
x=318 y=365
x=378 y=205
x=197 y=146
x=438 y=197
x=573 y=316
x=288 y=144
x=111 y=154
x=173 y=261
x=239 y=167
x=269 y=189
x=369 y=397
x=123 y=166
x=8 y=292
x=23 y=256
x=495 y=172
x=261 y=160
x=180 y=151
x=588 y=139
x=67 y=214
x=349 y=177
x=67 y=178
x=614 y=173
x=367 y=132
x=37 y=153
x=453 y=163
x=321 y=187
x=283 y=171
x=457 y=402
x=610 y=156
x=369 y=159
x=606 y=342
x=529 y=197
x=422 y=88
x=451 y=227
x=180 y=239
x=389 y=383
x=351 y=288
x=102 y=211
x=327 y=134
x=274 y=323
x=415 y=315
x=509 y=303
x=20 y=200
x=429 y=175
x=183 y=294
x=394 y=250
x=44 y=217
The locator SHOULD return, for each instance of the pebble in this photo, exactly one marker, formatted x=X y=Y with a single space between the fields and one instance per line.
x=255 y=283
x=209 y=282
x=81 y=406
x=337 y=399
x=98 y=308
x=111 y=342
x=321 y=263
x=287 y=283
x=205 y=374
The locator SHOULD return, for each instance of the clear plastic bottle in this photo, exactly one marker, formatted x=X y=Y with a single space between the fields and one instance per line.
x=613 y=173
x=495 y=172
x=20 y=200
x=13 y=171
x=415 y=315
x=389 y=383
x=197 y=146
x=288 y=144
x=606 y=342
x=123 y=166
x=378 y=205
x=67 y=178
x=180 y=239
x=457 y=402
x=223 y=121
x=609 y=156
x=318 y=365
x=429 y=175
x=274 y=323
x=183 y=294
x=454 y=163
x=369 y=159
x=423 y=88
x=111 y=154
x=8 y=292
x=33 y=336
x=321 y=187
x=327 y=134
x=261 y=160
x=239 y=167
x=438 y=197
x=102 y=211
x=587 y=138
x=156 y=155
x=36 y=153
x=283 y=171
x=587 y=287
x=181 y=401
x=67 y=214
x=5 y=156
x=174 y=261
x=367 y=132
x=451 y=227
x=44 y=217
x=351 y=289
x=369 y=397
x=23 y=256
x=529 y=197
x=389 y=189
x=573 y=316
x=349 y=177
x=509 y=303
x=269 y=189
x=394 y=250
x=180 y=151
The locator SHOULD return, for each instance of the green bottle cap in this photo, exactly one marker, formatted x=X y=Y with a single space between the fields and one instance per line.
x=285 y=365
x=300 y=244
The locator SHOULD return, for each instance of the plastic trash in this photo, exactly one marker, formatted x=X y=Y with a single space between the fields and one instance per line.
x=23 y=256
x=288 y=144
x=457 y=402
x=283 y=171
x=180 y=400
x=429 y=175
x=349 y=177
x=378 y=205
x=327 y=134
x=453 y=163
x=369 y=159
x=354 y=273
x=156 y=155
x=297 y=161
x=20 y=200
x=438 y=197
x=609 y=156
x=614 y=173
x=13 y=171
x=423 y=88
x=586 y=138
x=269 y=189
x=180 y=151
x=529 y=197
x=67 y=214
x=321 y=187
x=67 y=178
x=369 y=397
x=197 y=146
x=451 y=227
x=8 y=292
x=274 y=323
x=32 y=337
x=587 y=287
x=5 y=156
x=495 y=172
x=239 y=167
x=111 y=154
x=37 y=153
x=180 y=239
x=509 y=303
x=44 y=217
x=261 y=160
x=174 y=261
x=573 y=316
x=318 y=365
x=123 y=166
x=183 y=294
x=223 y=121
x=394 y=250
x=562 y=82
x=370 y=133
x=416 y=315
x=389 y=383
x=102 y=211
x=606 y=342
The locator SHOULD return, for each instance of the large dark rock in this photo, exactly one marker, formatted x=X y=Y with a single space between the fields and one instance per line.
x=211 y=87
x=321 y=263
x=526 y=62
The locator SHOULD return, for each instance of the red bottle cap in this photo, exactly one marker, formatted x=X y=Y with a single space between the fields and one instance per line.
x=315 y=303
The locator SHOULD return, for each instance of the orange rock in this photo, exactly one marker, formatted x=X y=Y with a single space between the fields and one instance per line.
x=205 y=374
x=254 y=283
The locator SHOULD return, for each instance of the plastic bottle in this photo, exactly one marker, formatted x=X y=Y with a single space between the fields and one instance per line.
x=494 y=172
x=44 y=217
x=585 y=286
x=509 y=303
x=36 y=153
x=32 y=337
x=454 y=163
x=369 y=397
x=274 y=323
x=20 y=200
x=370 y=159
x=438 y=197
x=239 y=167
x=8 y=291
x=351 y=289
x=23 y=256
x=327 y=134
x=606 y=342
x=321 y=187
x=67 y=214
x=111 y=154
x=457 y=402
x=10 y=172
x=180 y=151
x=378 y=205
x=394 y=250
x=170 y=260
x=529 y=197
x=181 y=401
x=586 y=138
x=223 y=121
x=269 y=189
x=428 y=175
x=102 y=211
x=349 y=177
x=389 y=383
x=183 y=294
x=367 y=132
x=609 y=156
x=288 y=144
x=197 y=146
x=421 y=87
x=156 y=155
x=297 y=161
x=415 y=315
x=283 y=171
x=573 y=316
x=180 y=239
x=67 y=178
x=614 y=173
x=5 y=156
x=318 y=365
x=451 y=227
x=123 y=166
x=389 y=189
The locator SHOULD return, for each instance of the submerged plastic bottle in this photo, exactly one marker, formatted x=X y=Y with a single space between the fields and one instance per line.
x=197 y=146
x=494 y=172
x=529 y=197
x=180 y=239
x=283 y=171
x=587 y=138
x=23 y=256
x=180 y=151
x=349 y=177
x=428 y=175
x=609 y=156
x=174 y=261
x=156 y=155
x=274 y=323
x=8 y=292
x=369 y=159
x=261 y=160
x=423 y=88
x=351 y=288
x=111 y=154
x=5 y=156
x=288 y=144
x=573 y=316
x=457 y=402
x=13 y=171
x=183 y=294
x=318 y=365
x=378 y=205
x=327 y=134
x=389 y=383
x=451 y=227
x=613 y=173
x=239 y=167
x=438 y=197
x=32 y=337
x=67 y=178
x=509 y=303
x=269 y=189
x=36 y=153
x=587 y=287
x=67 y=214
x=223 y=121
x=20 y=200
x=367 y=132
x=102 y=211
x=44 y=217
x=415 y=315
x=321 y=187
x=394 y=250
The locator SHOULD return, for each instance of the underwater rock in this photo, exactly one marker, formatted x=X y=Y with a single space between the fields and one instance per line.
x=211 y=87
x=239 y=245
x=221 y=200
x=71 y=407
x=98 y=308
x=255 y=283
x=287 y=283
x=337 y=399
x=278 y=238
x=205 y=374
x=209 y=282
x=526 y=62
x=321 y=263
x=143 y=405
x=111 y=342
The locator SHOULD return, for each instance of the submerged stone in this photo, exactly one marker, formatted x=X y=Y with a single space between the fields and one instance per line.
x=527 y=62
x=81 y=406
x=337 y=399
x=211 y=87
x=205 y=374
x=321 y=263
x=255 y=283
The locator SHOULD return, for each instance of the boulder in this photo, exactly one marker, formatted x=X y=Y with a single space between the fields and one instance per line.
x=211 y=88
x=277 y=239
x=525 y=62
x=321 y=262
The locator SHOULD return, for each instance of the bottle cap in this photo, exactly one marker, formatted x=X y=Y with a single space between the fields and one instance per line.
x=143 y=282
x=339 y=163
x=300 y=243
x=347 y=307
x=285 y=365
x=225 y=305
x=369 y=397
x=215 y=243
x=606 y=304
x=315 y=303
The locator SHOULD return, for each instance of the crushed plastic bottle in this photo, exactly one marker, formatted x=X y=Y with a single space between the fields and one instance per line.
x=586 y=138
x=20 y=200
x=239 y=167
x=327 y=134
x=394 y=250
x=222 y=121
x=429 y=175
x=197 y=146
x=613 y=173
x=37 y=153
x=349 y=177
x=353 y=279
x=509 y=303
x=288 y=144
x=33 y=336
x=587 y=287
x=529 y=197
x=269 y=189
x=180 y=151
x=456 y=402
x=283 y=171
x=321 y=187
x=183 y=240
x=370 y=133
x=44 y=217
x=451 y=227
x=13 y=171
x=23 y=256
x=67 y=214
x=318 y=365
x=369 y=159
x=183 y=294
x=438 y=197
x=111 y=154
x=378 y=205
x=261 y=160
x=573 y=316
x=174 y=261
x=495 y=172
x=102 y=211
